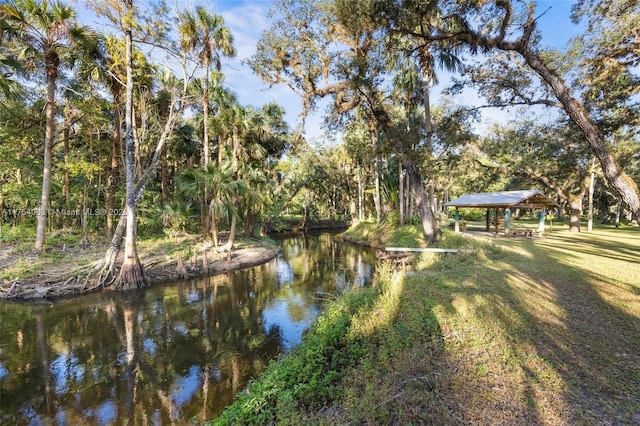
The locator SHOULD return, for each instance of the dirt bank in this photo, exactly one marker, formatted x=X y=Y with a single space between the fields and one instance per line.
x=66 y=271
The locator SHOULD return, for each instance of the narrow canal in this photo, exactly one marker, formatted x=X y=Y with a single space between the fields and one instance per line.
x=171 y=354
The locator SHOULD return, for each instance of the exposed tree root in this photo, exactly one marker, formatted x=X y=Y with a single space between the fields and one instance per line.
x=131 y=275
x=105 y=274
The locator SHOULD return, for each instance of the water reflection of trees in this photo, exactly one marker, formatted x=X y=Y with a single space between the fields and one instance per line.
x=174 y=352
x=146 y=358
x=326 y=264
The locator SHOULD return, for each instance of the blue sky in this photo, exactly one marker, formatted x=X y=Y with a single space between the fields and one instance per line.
x=247 y=19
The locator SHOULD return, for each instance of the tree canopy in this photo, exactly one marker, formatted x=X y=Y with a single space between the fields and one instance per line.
x=87 y=128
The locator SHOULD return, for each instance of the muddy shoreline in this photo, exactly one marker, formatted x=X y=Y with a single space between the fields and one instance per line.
x=63 y=278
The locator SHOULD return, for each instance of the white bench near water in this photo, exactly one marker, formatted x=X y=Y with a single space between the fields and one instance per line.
x=430 y=249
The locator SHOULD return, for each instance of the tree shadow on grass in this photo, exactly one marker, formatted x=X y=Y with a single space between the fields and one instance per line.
x=600 y=245
x=537 y=339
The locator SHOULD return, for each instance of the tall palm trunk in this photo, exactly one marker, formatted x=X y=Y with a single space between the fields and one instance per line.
x=376 y=171
x=132 y=273
x=66 y=186
x=214 y=225
x=423 y=199
x=400 y=193
x=52 y=75
x=232 y=229
x=221 y=139
x=425 y=64
x=205 y=114
x=425 y=67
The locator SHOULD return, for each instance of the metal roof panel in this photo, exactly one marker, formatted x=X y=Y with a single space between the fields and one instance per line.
x=531 y=198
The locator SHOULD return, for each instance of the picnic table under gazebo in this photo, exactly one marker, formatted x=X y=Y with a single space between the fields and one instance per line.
x=532 y=199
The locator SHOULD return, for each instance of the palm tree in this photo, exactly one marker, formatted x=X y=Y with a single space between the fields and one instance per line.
x=448 y=61
x=406 y=84
x=270 y=130
x=240 y=121
x=206 y=33
x=265 y=139
x=48 y=36
x=223 y=99
x=9 y=87
x=219 y=184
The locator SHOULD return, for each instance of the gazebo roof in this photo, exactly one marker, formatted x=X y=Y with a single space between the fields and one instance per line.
x=520 y=199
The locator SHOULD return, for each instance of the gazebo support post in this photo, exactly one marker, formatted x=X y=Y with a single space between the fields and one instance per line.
x=507 y=220
x=541 y=217
x=488 y=219
x=457 y=217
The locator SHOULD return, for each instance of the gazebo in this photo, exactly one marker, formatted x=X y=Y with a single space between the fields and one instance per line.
x=532 y=199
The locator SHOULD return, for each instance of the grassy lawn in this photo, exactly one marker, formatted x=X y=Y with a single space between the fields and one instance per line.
x=526 y=331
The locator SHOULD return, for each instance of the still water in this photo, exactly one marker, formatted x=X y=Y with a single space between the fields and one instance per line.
x=172 y=354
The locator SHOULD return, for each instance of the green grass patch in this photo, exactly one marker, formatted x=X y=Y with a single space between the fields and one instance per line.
x=385 y=235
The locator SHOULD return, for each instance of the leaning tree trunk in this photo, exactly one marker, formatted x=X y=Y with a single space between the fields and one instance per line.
x=429 y=224
x=105 y=269
x=611 y=170
x=627 y=188
x=132 y=273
